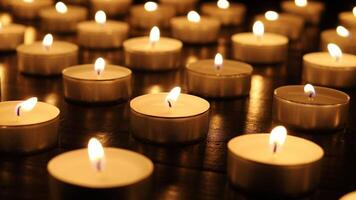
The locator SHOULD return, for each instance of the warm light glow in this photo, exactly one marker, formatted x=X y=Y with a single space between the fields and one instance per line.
x=150 y=6
x=271 y=15
x=193 y=17
x=27 y=105
x=1 y=26
x=277 y=138
x=354 y=11
x=28 y=1
x=173 y=96
x=334 y=51
x=342 y=31
x=258 y=29
x=218 y=61
x=301 y=3
x=309 y=90
x=154 y=35
x=99 y=65
x=96 y=154
x=100 y=17
x=223 y=4
x=61 y=7
x=47 y=41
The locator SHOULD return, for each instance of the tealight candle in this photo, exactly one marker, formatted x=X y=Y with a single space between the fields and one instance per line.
x=28 y=126
x=341 y=37
x=181 y=7
x=348 y=19
x=11 y=36
x=349 y=196
x=151 y=14
x=111 y=7
x=152 y=53
x=28 y=9
x=169 y=117
x=227 y=13
x=260 y=47
x=312 y=108
x=195 y=29
x=102 y=34
x=276 y=164
x=46 y=57
x=333 y=69
x=285 y=24
x=310 y=10
x=97 y=83
x=219 y=78
x=100 y=173
x=61 y=18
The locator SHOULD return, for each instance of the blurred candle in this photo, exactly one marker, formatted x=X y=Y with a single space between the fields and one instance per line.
x=28 y=9
x=310 y=10
x=111 y=7
x=181 y=7
x=340 y=36
x=348 y=19
x=11 y=36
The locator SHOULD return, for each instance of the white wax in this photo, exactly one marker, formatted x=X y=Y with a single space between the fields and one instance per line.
x=122 y=168
x=349 y=196
x=87 y=72
x=142 y=44
x=234 y=15
x=311 y=12
x=295 y=150
x=42 y=112
x=57 y=48
x=108 y=27
x=323 y=59
x=229 y=68
x=268 y=39
x=74 y=13
x=155 y=105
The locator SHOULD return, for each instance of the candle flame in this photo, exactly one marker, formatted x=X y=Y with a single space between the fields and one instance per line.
x=154 y=35
x=342 y=31
x=96 y=154
x=28 y=1
x=354 y=11
x=277 y=138
x=61 y=7
x=301 y=3
x=150 y=6
x=258 y=29
x=193 y=17
x=218 y=61
x=309 y=90
x=47 y=41
x=334 y=51
x=100 y=17
x=1 y=25
x=271 y=15
x=99 y=65
x=223 y=4
x=26 y=105
x=173 y=96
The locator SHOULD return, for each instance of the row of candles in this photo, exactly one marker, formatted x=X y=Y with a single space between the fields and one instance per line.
x=256 y=162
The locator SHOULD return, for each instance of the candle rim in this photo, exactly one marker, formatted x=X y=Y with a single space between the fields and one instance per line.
x=28 y=48
x=241 y=37
x=311 y=56
x=175 y=46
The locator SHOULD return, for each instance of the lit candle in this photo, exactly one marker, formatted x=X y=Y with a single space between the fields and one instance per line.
x=348 y=19
x=11 y=36
x=181 y=7
x=340 y=36
x=111 y=7
x=227 y=13
x=98 y=83
x=195 y=29
x=310 y=10
x=275 y=164
x=28 y=9
x=260 y=47
x=28 y=126
x=313 y=108
x=333 y=68
x=46 y=58
x=154 y=115
x=100 y=173
x=153 y=53
x=62 y=18
x=151 y=14
x=102 y=34
x=349 y=196
x=219 y=78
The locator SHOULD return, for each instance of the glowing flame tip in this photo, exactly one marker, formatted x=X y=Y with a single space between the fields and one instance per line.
x=173 y=96
x=193 y=16
x=150 y=6
x=258 y=29
x=223 y=4
x=96 y=154
x=334 y=51
x=309 y=90
x=47 y=41
x=271 y=15
x=26 y=105
x=100 y=17
x=277 y=138
x=61 y=7
x=99 y=65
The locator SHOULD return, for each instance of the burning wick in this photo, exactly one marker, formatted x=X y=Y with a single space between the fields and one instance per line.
x=99 y=66
x=277 y=138
x=96 y=154
x=173 y=96
x=309 y=90
x=27 y=105
x=218 y=61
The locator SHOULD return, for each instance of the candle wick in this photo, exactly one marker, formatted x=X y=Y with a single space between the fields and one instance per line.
x=153 y=44
x=18 y=111
x=98 y=72
x=98 y=166
x=275 y=145
x=218 y=67
x=169 y=104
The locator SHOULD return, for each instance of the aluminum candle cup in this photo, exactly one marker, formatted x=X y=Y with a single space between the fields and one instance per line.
x=328 y=110
x=233 y=15
x=54 y=21
x=311 y=12
x=252 y=166
x=143 y=19
x=82 y=83
x=346 y=43
x=348 y=19
x=126 y=175
x=231 y=80
x=36 y=59
x=141 y=55
x=181 y=6
x=11 y=36
x=112 y=7
x=31 y=131
x=153 y=120
x=28 y=10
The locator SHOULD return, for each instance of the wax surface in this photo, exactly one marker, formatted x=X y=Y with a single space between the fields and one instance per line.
x=229 y=68
x=349 y=16
x=324 y=59
x=324 y=96
x=204 y=24
x=73 y=12
x=311 y=7
x=35 y=3
x=155 y=105
x=295 y=151
x=142 y=44
x=122 y=168
x=12 y=28
x=57 y=48
x=92 y=26
x=42 y=112
x=268 y=39
x=87 y=72
x=233 y=9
